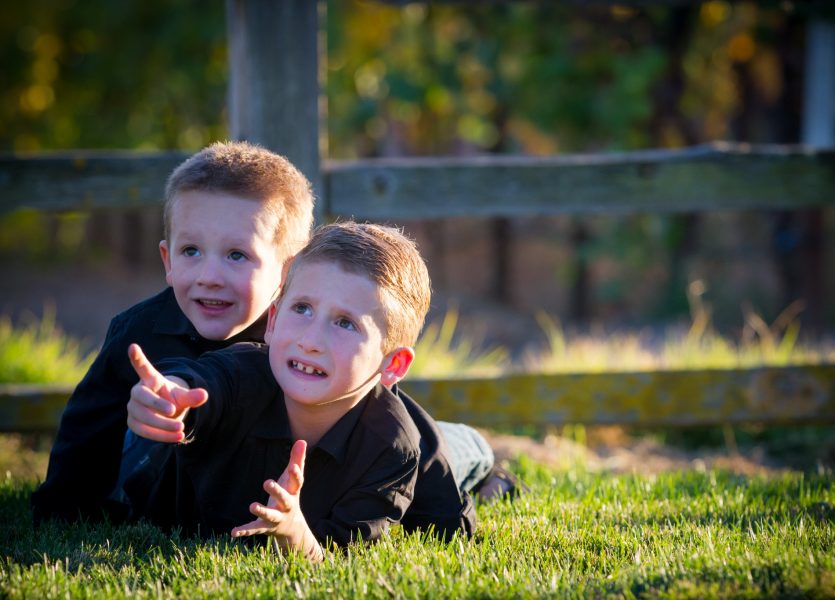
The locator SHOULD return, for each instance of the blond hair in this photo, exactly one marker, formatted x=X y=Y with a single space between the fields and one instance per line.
x=254 y=173
x=389 y=259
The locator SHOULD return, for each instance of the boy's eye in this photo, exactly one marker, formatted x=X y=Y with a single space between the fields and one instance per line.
x=191 y=251
x=346 y=324
x=301 y=308
x=236 y=256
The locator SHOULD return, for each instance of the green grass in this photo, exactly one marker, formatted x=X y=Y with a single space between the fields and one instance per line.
x=578 y=534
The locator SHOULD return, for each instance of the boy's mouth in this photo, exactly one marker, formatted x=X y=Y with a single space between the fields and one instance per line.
x=306 y=369
x=213 y=304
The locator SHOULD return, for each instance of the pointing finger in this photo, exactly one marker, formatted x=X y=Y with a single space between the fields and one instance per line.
x=143 y=367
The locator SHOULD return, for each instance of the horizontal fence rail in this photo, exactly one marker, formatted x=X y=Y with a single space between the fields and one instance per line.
x=718 y=176
x=84 y=180
x=799 y=394
x=771 y=395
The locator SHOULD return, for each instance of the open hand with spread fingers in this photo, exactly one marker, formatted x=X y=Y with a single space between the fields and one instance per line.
x=158 y=404
x=282 y=517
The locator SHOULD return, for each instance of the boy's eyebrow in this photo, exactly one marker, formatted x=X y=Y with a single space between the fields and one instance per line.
x=232 y=241
x=340 y=308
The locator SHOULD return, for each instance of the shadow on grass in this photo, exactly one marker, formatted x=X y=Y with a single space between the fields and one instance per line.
x=84 y=545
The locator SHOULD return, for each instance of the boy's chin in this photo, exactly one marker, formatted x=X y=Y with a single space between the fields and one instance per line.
x=217 y=332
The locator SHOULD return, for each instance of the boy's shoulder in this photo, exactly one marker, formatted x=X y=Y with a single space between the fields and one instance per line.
x=159 y=308
x=387 y=417
x=158 y=325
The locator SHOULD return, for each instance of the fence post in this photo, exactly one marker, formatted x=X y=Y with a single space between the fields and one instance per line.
x=273 y=80
x=818 y=130
x=819 y=85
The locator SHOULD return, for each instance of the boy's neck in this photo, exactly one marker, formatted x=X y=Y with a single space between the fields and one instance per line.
x=311 y=423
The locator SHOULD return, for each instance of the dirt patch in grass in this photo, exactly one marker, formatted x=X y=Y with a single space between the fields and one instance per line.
x=614 y=449
x=24 y=456
x=610 y=449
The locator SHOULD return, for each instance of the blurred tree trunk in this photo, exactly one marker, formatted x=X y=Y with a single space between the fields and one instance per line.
x=501 y=227
x=797 y=239
x=580 y=305
x=666 y=117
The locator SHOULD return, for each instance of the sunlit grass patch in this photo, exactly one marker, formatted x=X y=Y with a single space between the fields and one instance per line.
x=697 y=347
x=440 y=353
x=39 y=352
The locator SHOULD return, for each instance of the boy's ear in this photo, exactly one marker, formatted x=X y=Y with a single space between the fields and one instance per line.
x=166 y=259
x=396 y=365
x=271 y=312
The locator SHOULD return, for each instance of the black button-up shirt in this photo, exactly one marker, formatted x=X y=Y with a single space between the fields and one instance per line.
x=359 y=478
x=85 y=457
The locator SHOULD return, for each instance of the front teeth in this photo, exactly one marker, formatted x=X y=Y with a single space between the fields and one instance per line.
x=213 y=302
x=305 y=368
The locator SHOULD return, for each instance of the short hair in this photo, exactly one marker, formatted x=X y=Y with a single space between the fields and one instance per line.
x=388 y=258
x=253 y=173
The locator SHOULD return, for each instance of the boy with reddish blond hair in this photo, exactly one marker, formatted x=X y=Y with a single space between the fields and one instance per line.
x=316 y=398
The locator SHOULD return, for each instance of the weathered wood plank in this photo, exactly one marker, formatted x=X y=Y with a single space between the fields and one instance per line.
x=818 y=126
x=713 y=177
x=26 y=408
x=788 y=395
x=83 y=179
x=273 y=79
x=716 y=177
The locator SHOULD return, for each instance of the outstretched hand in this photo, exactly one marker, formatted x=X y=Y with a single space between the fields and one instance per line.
x=159 y=404
x=282 y=517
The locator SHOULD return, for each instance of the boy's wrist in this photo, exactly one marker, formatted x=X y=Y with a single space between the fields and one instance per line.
x=300 y=539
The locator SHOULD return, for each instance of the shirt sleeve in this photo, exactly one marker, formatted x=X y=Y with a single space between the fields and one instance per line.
x=209 y=373
x=378 y=499
x=238 y=387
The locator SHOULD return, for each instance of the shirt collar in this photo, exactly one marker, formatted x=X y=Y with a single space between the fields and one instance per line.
x=335 y=440
x=273 y=423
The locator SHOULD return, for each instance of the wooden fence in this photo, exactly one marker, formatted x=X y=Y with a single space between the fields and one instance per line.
x=272 y=43
x=789 y=395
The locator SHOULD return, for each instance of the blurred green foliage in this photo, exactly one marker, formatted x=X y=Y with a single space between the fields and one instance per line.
x=412 y=78
x=428 y=79
x=97 y=74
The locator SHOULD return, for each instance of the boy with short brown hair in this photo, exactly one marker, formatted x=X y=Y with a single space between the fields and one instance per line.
x=234 y=214
x=339 y=336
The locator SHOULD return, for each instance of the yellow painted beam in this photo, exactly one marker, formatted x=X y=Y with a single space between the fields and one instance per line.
x=32 y=407
x=660 y=398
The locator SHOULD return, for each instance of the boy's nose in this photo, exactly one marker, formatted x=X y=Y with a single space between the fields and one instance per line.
x=209 y=274
x=310 y=340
